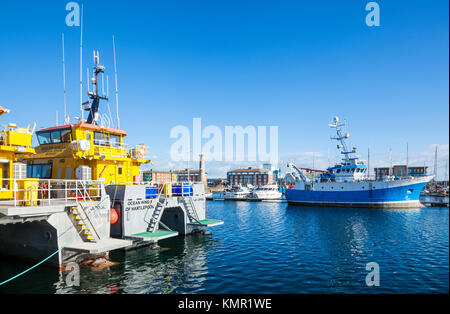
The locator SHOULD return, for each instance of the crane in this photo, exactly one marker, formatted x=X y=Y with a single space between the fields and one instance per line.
x=300 y=173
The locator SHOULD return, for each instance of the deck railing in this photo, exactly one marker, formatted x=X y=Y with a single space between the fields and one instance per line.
x=44 y=192
x=6 y=131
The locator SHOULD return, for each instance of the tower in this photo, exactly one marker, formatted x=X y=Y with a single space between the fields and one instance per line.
x=202 y=169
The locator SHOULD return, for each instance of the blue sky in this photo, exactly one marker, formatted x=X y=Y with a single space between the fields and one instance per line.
x=292 y=64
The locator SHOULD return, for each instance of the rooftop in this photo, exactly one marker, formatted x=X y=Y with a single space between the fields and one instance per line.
x=249 y=170
x=185 y=171
x=87 y=126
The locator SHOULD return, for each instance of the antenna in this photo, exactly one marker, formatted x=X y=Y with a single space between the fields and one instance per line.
x=96 y=57
x=103 y=85
x=313 y=166
x=368 y=163
x=88 y=81
x=81 y=65
x=64 y=81
x=117 y=90
x=107 y=96
x=407 y=158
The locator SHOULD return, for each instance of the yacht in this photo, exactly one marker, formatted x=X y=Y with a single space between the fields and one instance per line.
x=236 y=194
x=267 y=192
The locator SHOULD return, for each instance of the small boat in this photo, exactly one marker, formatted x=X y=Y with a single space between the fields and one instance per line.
x=267 y=192
x=237 y=194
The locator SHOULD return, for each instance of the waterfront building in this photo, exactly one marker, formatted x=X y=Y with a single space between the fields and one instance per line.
x=252 y=176
x=159 y=177
x=191 y=175
x=400 y=171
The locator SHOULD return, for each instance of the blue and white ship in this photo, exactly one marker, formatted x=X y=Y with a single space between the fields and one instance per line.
x=347 y=184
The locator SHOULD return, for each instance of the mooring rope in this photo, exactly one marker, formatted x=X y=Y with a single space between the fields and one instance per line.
x=45 y=259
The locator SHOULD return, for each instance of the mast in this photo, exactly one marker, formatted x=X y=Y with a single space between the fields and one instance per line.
x=94 y=96
x=341 y=139
x=107 y=96
x=368 y=163
x=81 y=65
x=446 y=170
x=390 y=160
x=64 y=81
x=117 y=90
x=407 y=159
x=435 y=162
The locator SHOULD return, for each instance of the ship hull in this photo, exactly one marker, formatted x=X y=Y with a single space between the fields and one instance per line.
x=388 y=194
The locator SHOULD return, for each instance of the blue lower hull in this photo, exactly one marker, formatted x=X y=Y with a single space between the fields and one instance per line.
x=403 y=196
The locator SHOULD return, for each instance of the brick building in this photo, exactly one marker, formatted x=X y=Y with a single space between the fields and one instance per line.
x=159 y=177
x=194 y=175
x=255 y=177
x=400 y=171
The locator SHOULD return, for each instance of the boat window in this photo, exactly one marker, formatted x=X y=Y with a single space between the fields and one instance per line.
x=100 y=138
x=66 y=135
x=353 y=169
x=40 y=171
x=339 y=170
x=54 y=137
x=43 y=138
x=115 y=140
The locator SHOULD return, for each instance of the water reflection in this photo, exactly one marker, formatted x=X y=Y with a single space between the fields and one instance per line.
x=275 y=248
x=179 y=266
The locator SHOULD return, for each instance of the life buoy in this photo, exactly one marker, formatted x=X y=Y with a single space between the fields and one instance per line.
x=141 y=151
x=114 y=216
x=43 y=190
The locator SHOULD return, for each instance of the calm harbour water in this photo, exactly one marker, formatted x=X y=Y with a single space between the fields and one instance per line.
x=274 y=248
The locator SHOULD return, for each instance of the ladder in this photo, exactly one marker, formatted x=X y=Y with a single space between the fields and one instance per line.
x=157 y=214
x=83 y=224
x=85 y=219
x=190 y=209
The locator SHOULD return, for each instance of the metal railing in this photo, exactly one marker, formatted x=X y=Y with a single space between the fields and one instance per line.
x=44 y=192
x=111 y=150
x=5 y=130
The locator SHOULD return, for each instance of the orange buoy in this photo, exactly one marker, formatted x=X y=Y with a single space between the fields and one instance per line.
x=114 y=217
